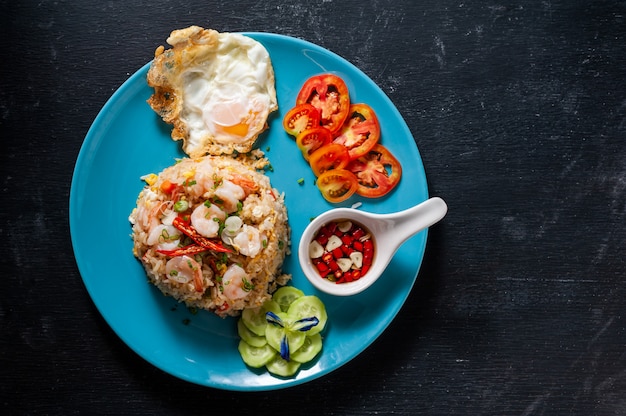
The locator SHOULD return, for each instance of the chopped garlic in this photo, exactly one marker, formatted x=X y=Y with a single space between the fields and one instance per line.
x=333 y=243
x=357 y=259
x=344 y=226
x=344 y=264
x=315 y=250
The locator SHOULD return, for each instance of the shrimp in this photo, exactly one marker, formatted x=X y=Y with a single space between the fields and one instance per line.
x=230 y=194
x=236 y=283
x=248 y=241
x=203 y=180
x=184 y=269
x=205 y=219
x=166 y=237
x=246 y=182
x=147 y=214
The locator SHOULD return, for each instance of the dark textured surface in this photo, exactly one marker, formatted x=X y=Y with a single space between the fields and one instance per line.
x=519 y=112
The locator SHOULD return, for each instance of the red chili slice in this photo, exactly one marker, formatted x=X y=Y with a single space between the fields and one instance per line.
x=188 y=250
x=191 y=232
x=322 y=268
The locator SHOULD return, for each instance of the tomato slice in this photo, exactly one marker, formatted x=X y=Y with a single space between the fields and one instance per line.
x=360 y=131
x=327 y=157
x=377 y=172
x=312 y=139
x=337 y=185
x=301 y=117
x=329 y=94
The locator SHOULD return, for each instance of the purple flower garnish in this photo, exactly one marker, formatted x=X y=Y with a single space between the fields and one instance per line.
x=305 y=324
x=301 y=325
x=274 y=319
x=284 y=348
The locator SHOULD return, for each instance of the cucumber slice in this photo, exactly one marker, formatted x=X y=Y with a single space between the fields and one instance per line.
x=311 y=347
x=307 y=306
x=254 y=318
x=285 y=295
x=281 y=367
x=256 y=357
x=275 y=334
x=250 y=337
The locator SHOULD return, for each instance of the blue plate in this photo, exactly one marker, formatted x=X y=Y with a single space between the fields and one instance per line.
x=128 y=140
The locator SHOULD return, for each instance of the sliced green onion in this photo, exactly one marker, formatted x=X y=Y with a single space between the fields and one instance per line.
x=233 y=224
x=247 y=285
x=181 y=206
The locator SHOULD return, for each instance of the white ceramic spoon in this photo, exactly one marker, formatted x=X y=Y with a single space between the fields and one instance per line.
x=389 y=232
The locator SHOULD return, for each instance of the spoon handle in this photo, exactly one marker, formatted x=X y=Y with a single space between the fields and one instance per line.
x=411 y=221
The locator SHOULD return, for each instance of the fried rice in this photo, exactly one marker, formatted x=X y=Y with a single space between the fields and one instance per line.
x=212 y=232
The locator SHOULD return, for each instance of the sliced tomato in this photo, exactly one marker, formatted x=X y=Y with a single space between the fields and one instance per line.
x=312 y=139
x=329 y=94
x=360 y=131
x=377 y=172
x=327 y=157
x=301 y=117
x=337 y=185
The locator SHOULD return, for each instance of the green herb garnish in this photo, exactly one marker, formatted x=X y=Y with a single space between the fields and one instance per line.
x=181 y=205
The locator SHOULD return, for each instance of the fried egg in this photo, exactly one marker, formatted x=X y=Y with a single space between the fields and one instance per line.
x=217 y=89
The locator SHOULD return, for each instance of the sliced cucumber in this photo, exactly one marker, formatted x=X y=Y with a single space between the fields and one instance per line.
x=307 y=306
x=254 y=318
x=260 y=342
x=256 y=357
x=281 y=367
x=250 y=337
x=285 y=295
x=275 y=335
x=311 y=347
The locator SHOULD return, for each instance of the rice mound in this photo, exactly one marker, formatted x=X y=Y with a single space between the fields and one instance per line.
x=210 y=194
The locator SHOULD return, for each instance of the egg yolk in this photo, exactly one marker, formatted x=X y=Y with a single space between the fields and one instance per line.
x=232 y=117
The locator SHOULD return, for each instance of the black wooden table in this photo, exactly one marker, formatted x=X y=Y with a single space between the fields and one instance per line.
x=519 y=112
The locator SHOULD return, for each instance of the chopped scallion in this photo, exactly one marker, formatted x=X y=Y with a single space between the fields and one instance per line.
x=181 y=205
